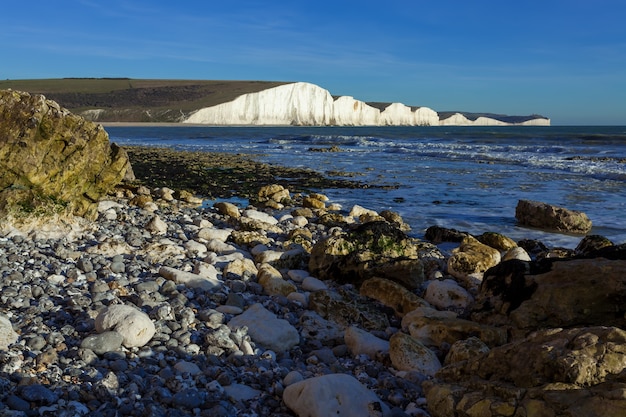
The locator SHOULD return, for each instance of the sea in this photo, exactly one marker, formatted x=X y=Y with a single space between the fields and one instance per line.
x=465 y=178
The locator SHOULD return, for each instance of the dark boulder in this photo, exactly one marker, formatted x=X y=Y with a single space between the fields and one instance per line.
x=548 y=217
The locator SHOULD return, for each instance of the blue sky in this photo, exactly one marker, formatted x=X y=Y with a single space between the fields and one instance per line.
x=565 y=59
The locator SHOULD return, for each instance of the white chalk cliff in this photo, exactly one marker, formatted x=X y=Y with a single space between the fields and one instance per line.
x=305 y=104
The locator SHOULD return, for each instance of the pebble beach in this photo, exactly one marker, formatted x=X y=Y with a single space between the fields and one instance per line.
x=176 y=279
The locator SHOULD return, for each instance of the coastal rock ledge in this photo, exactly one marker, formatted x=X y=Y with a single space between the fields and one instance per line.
x=52 y=160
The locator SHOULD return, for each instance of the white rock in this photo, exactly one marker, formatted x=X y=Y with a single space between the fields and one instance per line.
x=220 y=247
x=297 y=275
x=518 y=253
x=196 y=248
x=156 y=226
x=206 y=270
x=313 y=284
x=189 y=279
x=266 y=329
x=299 y=221
x=333 y=395
x=361 y=342
x=447 y=294
x=106 y=205
x=8 y=336
x=211 y=233
x=358 y=211
x=261 y=216
x=133 y=324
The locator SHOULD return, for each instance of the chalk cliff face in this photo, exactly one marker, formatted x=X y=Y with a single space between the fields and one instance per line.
x=305 y=104
x=458 y=119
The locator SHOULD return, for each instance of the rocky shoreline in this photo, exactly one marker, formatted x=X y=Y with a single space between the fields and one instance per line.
x=295 y=306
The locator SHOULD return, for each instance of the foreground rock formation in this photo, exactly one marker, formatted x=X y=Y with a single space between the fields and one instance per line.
x=52 y=160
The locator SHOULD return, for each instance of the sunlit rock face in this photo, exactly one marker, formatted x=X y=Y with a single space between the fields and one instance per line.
x=458 y=119
x=305 y=104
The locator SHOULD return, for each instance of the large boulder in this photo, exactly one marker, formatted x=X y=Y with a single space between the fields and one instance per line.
x=549 y=217
x=373 y=249
x=53 y=160
x=555 y=372
x=563 y=293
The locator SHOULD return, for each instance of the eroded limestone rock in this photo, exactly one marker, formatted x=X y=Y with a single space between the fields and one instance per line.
x=52 y=160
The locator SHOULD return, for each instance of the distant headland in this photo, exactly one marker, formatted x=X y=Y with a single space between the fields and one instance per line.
x=256 y=103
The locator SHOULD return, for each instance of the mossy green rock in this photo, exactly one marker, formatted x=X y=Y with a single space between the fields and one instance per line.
x=374 y=249
x=53 y=160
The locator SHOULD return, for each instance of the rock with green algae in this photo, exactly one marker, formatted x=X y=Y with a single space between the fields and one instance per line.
x=373 y=249
x=52 y=160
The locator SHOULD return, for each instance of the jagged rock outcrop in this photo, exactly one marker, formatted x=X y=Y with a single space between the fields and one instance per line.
x=569 y=293
x=554 y=372
x=550 y=217
x=53 y=160
x=305 y=104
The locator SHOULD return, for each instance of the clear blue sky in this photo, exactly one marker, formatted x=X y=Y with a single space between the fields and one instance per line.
x=565 y=59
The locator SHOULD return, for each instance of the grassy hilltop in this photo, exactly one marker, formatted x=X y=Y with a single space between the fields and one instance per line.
x=134 y=100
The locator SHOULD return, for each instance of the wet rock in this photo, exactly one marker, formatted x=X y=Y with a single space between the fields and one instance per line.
x=471 y=259
x=550 y=217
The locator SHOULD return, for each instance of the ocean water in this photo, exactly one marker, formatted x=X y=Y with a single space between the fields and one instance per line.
x=466 y=178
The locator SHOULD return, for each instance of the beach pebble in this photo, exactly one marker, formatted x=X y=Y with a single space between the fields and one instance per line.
x=361 y=342
x=261 y=216
x=7 y=335
x=333 y=395
x=156 y=226
x=408 y=354
x=266 y=329
x=212 y=233
x=134 y=325
x=447 y=294
x=104 y=342
x=189 y=279
x=313 y=284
